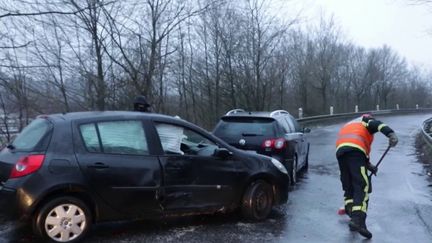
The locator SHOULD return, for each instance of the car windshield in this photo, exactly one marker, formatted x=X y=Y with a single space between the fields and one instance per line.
x=244 y=127
x=31 y=135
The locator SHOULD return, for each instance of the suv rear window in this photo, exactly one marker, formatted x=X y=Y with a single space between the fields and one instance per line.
x=31 y=135
x=245 y=126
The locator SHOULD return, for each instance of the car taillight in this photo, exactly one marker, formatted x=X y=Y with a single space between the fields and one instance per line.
x=268 y=143
x=27 y=165
x=277 y=143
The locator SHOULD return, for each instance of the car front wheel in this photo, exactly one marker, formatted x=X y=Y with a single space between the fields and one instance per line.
x=306 y=164
x=257 y=201
x=63 y=219
x=293 y=171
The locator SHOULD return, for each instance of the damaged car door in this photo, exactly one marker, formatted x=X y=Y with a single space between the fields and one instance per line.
x=115 y=157
x=194 y=176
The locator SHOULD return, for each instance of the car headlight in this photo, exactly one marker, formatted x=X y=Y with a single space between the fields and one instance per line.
x=279 y=165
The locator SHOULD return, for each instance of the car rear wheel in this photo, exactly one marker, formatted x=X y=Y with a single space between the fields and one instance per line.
x=63 y=219
x=257 y=201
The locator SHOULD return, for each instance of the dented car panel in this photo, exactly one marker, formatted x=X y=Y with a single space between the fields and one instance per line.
x=198 y=181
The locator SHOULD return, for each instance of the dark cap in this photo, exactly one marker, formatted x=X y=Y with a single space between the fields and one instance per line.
x=367 y=117
x=141 y=104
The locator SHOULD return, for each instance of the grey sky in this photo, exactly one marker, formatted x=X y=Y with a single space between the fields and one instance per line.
x=372 y=23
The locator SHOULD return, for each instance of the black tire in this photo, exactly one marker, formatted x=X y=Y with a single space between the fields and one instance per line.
x=306 y=165
x=67 y=214
x=257 y=201
x=293 y=171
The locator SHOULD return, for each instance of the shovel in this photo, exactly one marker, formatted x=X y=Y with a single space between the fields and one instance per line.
x=379 y=162
x=381 y=159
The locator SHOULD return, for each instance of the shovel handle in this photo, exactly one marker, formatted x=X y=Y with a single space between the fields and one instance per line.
x=381 y=159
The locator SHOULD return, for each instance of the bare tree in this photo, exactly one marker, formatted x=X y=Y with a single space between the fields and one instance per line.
x=193 y=58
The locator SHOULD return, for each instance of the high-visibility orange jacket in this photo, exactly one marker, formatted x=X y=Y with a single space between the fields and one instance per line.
x=355 y=135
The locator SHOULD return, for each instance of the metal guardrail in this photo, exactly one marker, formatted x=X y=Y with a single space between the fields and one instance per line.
x=335 y=117
x=427 y=131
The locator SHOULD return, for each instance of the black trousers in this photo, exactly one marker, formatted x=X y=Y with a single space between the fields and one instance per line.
x=355 y=181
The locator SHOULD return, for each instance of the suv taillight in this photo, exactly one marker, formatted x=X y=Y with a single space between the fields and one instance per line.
x=27 y=165
x=277 y=143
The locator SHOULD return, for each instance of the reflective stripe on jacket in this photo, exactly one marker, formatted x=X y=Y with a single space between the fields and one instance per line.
x=356 y=135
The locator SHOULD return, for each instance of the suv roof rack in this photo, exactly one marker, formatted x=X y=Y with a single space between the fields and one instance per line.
x=278 y=112
x=234 y=111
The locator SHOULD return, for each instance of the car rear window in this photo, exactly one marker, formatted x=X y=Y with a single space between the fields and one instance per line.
x=31 y=135
x=239 y=127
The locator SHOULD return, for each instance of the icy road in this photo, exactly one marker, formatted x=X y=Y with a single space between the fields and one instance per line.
x=400 y=207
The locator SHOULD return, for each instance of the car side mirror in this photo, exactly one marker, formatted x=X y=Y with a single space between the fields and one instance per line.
x=293 y=136
x=306 y=130
x=222 y=153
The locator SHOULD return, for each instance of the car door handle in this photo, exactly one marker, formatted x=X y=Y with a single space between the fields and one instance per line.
x=98 y=165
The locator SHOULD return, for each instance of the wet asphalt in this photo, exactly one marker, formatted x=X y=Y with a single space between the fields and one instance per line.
x=400 y=208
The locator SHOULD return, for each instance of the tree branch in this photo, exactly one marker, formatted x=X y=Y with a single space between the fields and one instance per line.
x=15 y=47
x=18 y=14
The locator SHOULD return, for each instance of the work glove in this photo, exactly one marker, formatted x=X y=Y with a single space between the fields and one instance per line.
x=372 y=168
x=393 y=140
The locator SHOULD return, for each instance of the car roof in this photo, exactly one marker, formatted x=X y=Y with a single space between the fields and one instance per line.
x=73 y=116
x=88 y=115
x=257 y=114
x=107 y=115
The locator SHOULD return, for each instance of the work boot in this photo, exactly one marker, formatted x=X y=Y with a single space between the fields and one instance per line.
x=348 y=209
x=358 y=223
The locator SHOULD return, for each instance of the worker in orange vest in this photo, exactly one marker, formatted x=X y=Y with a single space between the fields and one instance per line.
x=353 y=146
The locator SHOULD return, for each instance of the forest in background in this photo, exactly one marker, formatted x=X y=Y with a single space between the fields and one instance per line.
x=192 y=58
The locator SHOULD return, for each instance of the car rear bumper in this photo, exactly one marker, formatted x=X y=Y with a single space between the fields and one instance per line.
x=8 y=203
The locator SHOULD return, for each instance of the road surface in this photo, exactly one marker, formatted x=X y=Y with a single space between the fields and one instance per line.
x=400 y=206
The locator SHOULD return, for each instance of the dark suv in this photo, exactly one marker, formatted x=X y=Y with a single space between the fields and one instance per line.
x=67 y=171
x=276 y=134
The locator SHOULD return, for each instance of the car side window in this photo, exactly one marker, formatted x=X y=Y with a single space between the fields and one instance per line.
x=90 y=137
x=283 y=125
x=116 y=137
x=171 y=137
x=296 y=125
x=290 y=124
x=184 y=141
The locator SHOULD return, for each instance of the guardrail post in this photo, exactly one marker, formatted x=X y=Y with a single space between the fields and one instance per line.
x=331 y=110
x=397 y=106
x=356 y=109
x=417 y=106
x=377 y=107
x=300 y=112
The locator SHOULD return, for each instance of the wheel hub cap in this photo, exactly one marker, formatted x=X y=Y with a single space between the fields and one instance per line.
x=65 y=223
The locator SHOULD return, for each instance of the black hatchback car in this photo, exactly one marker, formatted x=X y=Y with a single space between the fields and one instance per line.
x=276 y=134
x=66 y=171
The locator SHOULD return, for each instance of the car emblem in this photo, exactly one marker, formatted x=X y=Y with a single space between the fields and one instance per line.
x=242 y=142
